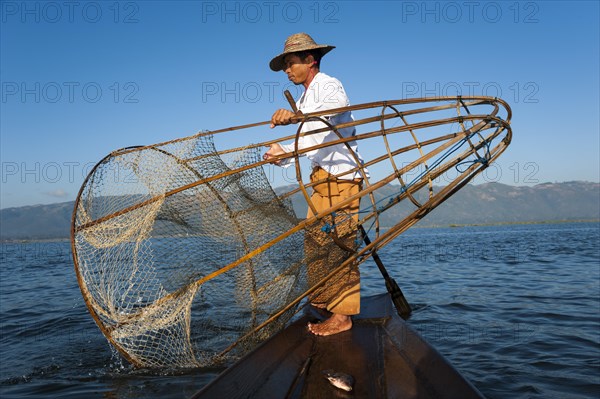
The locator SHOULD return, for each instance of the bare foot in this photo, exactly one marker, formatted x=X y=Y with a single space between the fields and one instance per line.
x=337 y=323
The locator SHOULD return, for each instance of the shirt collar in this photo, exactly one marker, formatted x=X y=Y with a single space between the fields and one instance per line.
x=318 y=76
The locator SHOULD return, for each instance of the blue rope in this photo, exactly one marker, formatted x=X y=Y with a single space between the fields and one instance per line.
x=403 y=189
x=483 y=160
x=328 y=228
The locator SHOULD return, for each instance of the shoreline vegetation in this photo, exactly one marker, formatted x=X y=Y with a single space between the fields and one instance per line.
x=521 y=223
x=439 y=226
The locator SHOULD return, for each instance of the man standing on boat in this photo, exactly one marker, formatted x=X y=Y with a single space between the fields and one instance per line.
x=335 y=177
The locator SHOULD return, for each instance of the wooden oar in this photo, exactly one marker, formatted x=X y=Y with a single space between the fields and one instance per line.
x=400 y=302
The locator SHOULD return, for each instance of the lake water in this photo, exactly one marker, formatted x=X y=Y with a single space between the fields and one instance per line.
x=516 y=309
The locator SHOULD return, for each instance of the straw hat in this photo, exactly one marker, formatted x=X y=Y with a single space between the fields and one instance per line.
x=298 y=42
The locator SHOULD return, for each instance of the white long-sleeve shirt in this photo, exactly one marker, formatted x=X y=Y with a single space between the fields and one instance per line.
x=323 y=93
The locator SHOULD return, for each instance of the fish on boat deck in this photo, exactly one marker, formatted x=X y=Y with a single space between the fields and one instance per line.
x=339 y=380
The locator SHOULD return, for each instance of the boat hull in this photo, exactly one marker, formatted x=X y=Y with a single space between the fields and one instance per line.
x=386 y=357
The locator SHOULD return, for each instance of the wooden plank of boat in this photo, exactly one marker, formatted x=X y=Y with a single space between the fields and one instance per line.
x=386 y=357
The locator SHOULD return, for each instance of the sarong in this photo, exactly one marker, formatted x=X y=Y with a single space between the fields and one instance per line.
x=340 y=294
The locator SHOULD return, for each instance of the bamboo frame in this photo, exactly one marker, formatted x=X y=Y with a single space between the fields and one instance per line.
x=479 y=122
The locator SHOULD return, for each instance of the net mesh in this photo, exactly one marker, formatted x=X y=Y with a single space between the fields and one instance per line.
x=140 y=268
x=171 y=240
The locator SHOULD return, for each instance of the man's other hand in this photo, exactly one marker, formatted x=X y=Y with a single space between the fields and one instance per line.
x=274 y=150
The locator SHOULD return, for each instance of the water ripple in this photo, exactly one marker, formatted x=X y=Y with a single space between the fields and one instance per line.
x=514 y=308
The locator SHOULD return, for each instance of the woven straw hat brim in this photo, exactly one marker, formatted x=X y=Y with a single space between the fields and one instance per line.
x=276 y=63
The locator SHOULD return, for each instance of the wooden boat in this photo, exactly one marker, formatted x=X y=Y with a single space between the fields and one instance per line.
x=386 y=357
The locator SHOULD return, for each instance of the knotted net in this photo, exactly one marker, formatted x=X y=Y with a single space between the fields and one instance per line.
x=140 y=266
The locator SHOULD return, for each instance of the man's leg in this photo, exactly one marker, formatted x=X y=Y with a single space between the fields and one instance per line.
x=341 y=295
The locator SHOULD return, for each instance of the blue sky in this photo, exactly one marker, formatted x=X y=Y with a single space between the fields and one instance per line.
x=80 y=79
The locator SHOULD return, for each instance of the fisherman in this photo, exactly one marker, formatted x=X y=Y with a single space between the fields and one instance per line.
x=335 y=177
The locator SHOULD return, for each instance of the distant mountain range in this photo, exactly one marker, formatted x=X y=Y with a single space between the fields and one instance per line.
x=488 y=203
